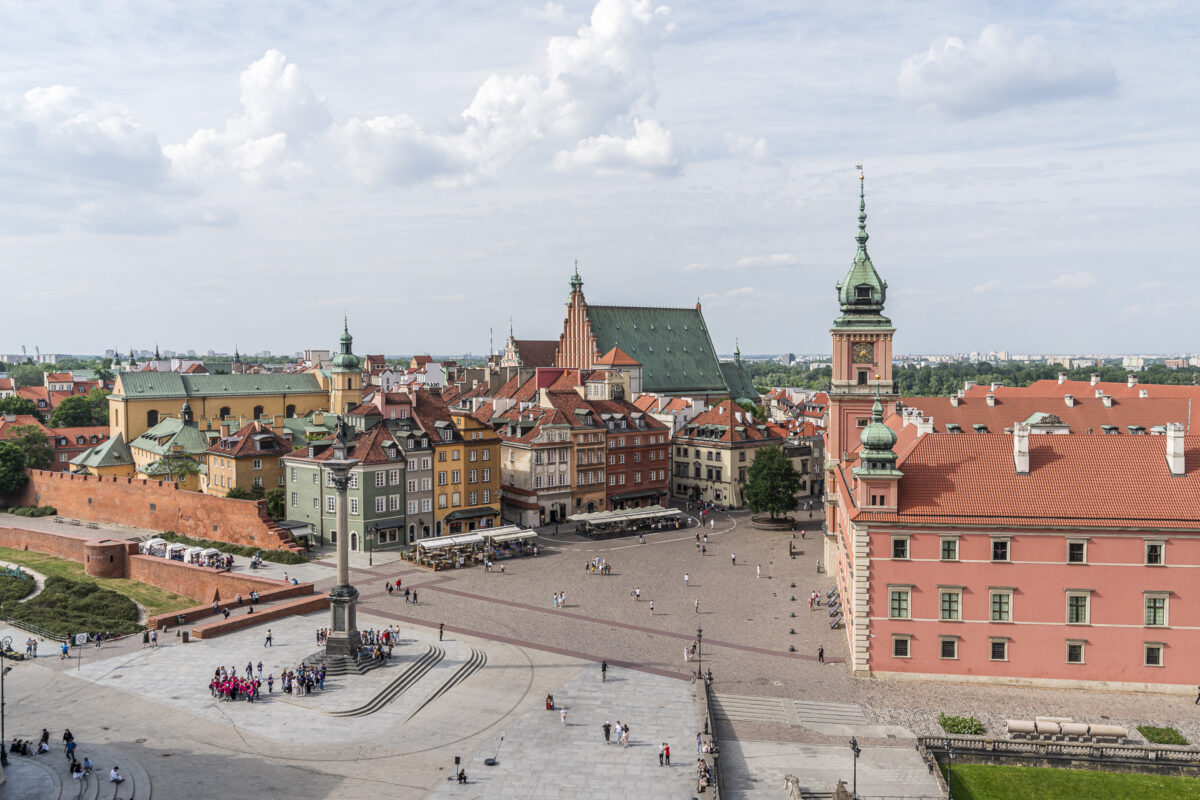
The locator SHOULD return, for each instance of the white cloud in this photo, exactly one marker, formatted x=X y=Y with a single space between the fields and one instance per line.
x=773 y=260
x=998 y=71
x=748 y=148
x=649 y=150
x=78 y=137
x=988 y=286
x=1074 y=280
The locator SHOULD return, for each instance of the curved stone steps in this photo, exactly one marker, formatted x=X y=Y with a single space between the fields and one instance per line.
x=476 y=662
x=406 y=680
x=46 y=777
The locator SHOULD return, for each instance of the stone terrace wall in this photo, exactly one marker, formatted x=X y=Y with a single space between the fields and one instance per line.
x=156 y=506
x=201 y=612
x=199 y=583
x=71 y=548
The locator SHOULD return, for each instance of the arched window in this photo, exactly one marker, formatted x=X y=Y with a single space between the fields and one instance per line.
x=290 y=412
x=258 y=412
x=412 y=533
x=224 y=412
x=353 y=540
x=151 y=419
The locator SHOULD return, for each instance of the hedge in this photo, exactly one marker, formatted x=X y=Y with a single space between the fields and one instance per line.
x=969 y=726
x=1161 y=735
x=34 y=511
x=68 y=606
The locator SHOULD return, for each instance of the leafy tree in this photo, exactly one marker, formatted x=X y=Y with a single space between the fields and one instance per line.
x=772 y=482
x=34 y=446
x=12 y=469
x=105 y=373
x=20 y=405
x=237 y=493
x=257 y=493
x=179 y=467
x=27 y=375
x=73 y=412
x=277 y=502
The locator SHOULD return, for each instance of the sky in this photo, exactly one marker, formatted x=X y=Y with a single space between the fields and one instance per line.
x=200 y=175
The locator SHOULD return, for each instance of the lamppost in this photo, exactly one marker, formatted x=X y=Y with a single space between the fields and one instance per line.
x=949 y=770
x=700 y=653
x=5 y=644
x=855 y=749
x=371 y=546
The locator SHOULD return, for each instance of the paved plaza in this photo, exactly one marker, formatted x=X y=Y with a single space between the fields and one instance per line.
x=778 y=710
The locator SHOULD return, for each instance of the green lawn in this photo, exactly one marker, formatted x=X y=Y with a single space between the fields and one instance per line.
x=153 y=599
x=979 y=782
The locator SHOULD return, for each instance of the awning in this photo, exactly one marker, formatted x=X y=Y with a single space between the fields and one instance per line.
x=193 y=551
x=510 y=536
x=463 y=540
x=643 y=493
x=176 y=547
x=210 y=551
x=629 y=515
x=153 y=542
x=393 y=522
x=471 y=513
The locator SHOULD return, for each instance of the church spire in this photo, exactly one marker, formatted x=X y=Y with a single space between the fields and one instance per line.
x=576 y=281
x=862 y=292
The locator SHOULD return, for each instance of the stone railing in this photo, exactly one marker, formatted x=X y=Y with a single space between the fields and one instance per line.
x=1157 y=758
x=703 y=694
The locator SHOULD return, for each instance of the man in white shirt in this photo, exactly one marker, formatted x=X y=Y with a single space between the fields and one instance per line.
x=115 y=776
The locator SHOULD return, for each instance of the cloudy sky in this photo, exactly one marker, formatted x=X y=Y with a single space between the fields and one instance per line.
x=203 y=174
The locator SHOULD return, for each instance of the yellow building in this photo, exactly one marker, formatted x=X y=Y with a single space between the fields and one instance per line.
x=173 y=450
x=466 y=466
x=112 y=459
x=345 y=379
x=247 y=459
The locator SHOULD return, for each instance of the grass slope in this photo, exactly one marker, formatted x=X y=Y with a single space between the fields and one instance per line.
x=980 y=782
x=69 y=606
x=153 y=599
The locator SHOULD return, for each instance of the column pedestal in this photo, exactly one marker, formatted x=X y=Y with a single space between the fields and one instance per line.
x=343 y=633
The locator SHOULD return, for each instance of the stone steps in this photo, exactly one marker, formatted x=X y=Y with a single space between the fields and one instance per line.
x=785 y=711
x=46 y=777
x=475 y=663
x=415 y=672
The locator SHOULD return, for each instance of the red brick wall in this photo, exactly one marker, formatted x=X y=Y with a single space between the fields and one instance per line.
x=243 y=620
x=68 y=547
x=193 y=581
x=155 y=506
x=200 y=612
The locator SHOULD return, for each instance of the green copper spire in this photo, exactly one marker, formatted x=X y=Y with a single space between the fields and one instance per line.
x=862 y=292
x=576 y=281
x=345 y=360
x=877 y=456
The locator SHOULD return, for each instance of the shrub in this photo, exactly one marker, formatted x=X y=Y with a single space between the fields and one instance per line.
x=33 y=511
x=278 y=556
x=1161 y=735
x=969 y=726
x=70 y=606
x=13 y=588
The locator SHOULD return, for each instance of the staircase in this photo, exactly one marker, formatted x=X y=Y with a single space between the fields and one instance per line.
x=46 y=777
x=417 y=670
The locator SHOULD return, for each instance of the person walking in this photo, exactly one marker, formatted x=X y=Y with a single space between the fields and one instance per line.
x=563 y=716
x=637 y=594
x=699 y=748
x=603 y=671
x=660 y=753
x=407 y=596
x=414 y=596
x=686 y=577
x=153 y=639
x=820 y=655
x=667 y=753
x=697 y=605
x=607 y=728
x=733 y=559
x=686 y=655
x=652 y=608
x=269 y=639
x=441 y=630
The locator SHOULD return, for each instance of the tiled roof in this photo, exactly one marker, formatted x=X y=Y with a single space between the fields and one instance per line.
x=616 y=357
x=254 y=439
x=536 y=352
x=86 y=431
x=369 y=447
x=21 y=421
x=722 y=423
x=173 y=433
x=112 y=453
x=672 y=344
x=58 y=377
x=195 y=369
x=1049 y=387
x=6 y=384
x=741 y=387
x=1104 y=481
x=145 y=385
x=1087 y=415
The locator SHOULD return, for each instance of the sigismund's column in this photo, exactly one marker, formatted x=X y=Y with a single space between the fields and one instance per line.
x=343 y=598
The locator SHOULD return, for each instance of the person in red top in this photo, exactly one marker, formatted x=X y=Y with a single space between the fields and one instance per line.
x=667 y=753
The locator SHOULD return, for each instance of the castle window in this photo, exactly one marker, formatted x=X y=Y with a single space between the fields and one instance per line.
x=151 y=418
x=258 y=412
x=290 y=412
x=862 y=377
x=224 y=412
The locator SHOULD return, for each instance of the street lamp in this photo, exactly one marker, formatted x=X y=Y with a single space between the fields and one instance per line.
x=370 y=546
x=699 y=652
x=5 y=644
x=855 y=749
x=949 y=770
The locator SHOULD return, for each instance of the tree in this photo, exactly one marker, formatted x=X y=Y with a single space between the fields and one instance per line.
x=34 y=446
x=277 y=503
x=179 y=467
x=28 y=375
x=75 y=411
x=772 y=482
x=237 y=493
x=12 y=469
x=20 y=405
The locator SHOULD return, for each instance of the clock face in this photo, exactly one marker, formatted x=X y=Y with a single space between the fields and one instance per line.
x=863 y=352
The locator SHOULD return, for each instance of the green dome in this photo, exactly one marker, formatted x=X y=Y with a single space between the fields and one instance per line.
x=345 y=360
x=878 y=436
x=877 y=440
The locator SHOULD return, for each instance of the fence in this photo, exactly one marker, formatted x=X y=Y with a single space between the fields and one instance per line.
x=704 y=702
x=1151 y=758
x=34 y=629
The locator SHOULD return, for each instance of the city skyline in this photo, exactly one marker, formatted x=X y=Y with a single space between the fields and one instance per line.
x=1022 y=162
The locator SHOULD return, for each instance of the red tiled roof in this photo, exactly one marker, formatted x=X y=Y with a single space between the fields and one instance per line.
x=21 y=421
x=6 y=384
x=196 y=369
x=536 y=352
x=58 y=377
x=724 y=414
x=423 y=359
x=616 y=357
x=243 y=443
x=1102 y=481
x=367 y=447
x=1087 y=415
x=1081 y=388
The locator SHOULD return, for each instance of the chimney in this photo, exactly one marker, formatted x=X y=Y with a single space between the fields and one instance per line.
x=1069 y=399
x=224 y=430
x=1131 y=381
x=991 y=399
x=1095 y=378
x=1021 y=447
x=924 y=426
x=1062 y=378
x=1143 y=392
x=1107 y=400
x=996 y=385
x=9 y=417
x=1175 y=448
x=954 y=400
x=968 y=386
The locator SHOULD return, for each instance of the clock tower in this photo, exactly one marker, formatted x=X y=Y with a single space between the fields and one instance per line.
x=862 y=347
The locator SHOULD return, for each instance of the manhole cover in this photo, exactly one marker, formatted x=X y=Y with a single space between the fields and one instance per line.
x=139 y=741
x=166 y=755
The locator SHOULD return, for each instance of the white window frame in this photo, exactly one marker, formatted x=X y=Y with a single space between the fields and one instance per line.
x=992 y=642
x=1162 y=552
x=1087 y=608
x=942 y=640
x=1147 y=596
x=957 y=593
x=993 y=592
x=1162 y=653
x=330 y=504
x=295 y=499
x=1082 y=645
x=942 y=542
x=1079 y=541
x=381 y=504
x=902 y=637
x=354 y=506
x=907 y=548
x=380 y=479
x=994 y=540
x=907 y=590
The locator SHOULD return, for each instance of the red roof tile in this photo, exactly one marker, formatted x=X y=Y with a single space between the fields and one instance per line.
x=1087 y=415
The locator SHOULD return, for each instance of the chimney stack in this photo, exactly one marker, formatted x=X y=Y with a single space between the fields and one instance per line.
x=1021 y=448
x=1069 y=399
x=1143 y=392
x=1175 y=461
x=224 y=430
x=1131 y=381
x=991 y=399
x=1095 y=378
x=1062 y=378
x=954 y=400
x=1107 y=400
x=924 y=426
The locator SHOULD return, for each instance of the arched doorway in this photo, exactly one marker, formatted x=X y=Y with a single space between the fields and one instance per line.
x=224 y=412
x=290 y=412
x=591 y=507
x=258 y=412
x=353 y=540
x=151 y=419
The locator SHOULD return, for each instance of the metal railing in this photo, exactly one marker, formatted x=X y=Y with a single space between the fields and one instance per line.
x=42 y=632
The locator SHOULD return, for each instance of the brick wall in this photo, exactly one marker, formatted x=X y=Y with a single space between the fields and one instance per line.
x=156 y=506
x=198 y=583
x=241 y=619
x=68 y=547
x=200 y=612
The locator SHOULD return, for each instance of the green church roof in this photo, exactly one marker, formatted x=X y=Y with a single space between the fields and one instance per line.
x=159 y=385
x=174 y=433
x=862 y=292
x=672 y=345
x=741 y=387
